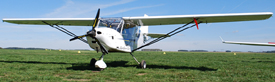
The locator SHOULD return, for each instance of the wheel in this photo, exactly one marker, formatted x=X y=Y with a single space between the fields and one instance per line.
x=92 y=62
x=143 y=64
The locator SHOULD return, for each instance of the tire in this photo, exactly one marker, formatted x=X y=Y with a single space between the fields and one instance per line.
x=92 y=62
x=143 y=64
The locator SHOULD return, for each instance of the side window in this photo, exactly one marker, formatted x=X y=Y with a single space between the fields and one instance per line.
x=129 y=35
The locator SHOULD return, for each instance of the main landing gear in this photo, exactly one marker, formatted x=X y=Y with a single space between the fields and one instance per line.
x=101 y=65
x=142 y=64
x=178 y=30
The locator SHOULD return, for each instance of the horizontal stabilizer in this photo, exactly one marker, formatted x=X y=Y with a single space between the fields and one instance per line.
x=249 y=43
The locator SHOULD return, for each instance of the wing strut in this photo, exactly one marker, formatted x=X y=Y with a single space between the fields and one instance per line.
x=64 y=31
x=169 y=34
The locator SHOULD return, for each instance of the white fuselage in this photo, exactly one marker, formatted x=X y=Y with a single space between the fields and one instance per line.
x=110 y=39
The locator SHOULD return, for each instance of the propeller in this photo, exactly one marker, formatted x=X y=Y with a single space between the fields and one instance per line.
x=92 y=33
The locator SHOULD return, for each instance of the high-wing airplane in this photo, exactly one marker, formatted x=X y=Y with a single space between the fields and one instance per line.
x=250 y=43
x=129 y=34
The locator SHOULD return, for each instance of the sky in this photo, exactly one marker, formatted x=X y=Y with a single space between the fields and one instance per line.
x=206 y=38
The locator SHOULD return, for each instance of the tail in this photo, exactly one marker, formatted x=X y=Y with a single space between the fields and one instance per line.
x=143 y=31
x=222 y=39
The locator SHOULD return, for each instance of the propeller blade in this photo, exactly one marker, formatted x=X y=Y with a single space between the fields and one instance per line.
x=92 y=32
x=77 y=37
x=96 y=19
x=101 y=47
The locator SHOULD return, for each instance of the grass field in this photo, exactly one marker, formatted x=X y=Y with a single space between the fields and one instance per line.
x=41 y=65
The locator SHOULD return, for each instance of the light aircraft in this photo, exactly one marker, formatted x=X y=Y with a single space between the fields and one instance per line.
x=129 y=34
x=249 y=43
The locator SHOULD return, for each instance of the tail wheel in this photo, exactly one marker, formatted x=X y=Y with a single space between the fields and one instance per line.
x=143 y=64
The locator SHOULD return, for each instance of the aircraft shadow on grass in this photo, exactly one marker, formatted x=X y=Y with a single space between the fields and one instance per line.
x=34 y=62
x=261 y=60
x=86 y=66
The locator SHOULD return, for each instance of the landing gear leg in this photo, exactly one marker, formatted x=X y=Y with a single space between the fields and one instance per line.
x=100 y=64
x=142 y=64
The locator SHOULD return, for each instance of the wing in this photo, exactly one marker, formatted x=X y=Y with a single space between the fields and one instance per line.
x=148 y=20
x=53 y=21
x=204 y=18
x=251 y=43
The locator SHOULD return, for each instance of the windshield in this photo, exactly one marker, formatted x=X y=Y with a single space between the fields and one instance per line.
x=114 y=23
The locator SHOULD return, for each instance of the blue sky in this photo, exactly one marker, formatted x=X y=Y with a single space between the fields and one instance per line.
x=207 y=38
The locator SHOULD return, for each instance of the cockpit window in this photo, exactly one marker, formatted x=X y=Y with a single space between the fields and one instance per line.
x=114 y=23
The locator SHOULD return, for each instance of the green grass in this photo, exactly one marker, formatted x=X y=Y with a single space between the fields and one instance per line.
x=41 y=65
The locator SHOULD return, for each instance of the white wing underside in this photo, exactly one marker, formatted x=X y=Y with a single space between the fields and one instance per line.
x=148 y=20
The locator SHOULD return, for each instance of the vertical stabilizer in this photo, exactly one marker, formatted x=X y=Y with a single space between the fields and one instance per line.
x=221 y=39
